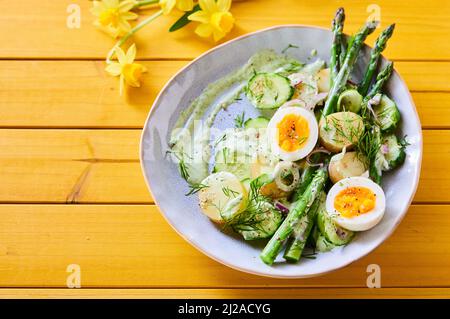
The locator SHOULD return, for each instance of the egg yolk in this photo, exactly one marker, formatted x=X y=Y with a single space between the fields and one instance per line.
x=354 y=201
x=293 y=132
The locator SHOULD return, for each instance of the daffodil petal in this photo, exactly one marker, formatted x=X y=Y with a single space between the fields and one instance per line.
x=120 y=55
x=131 y=54
x=204 y=30
x=129 y=16
x=224 y=5
x=111 y=3
x=126 y=6
x=199 y=16
x=113 y=32
x=167 y=5
x=208 y=5
x=113 y=69
x=185 y=5
x=124 y=26
x=218 y=34
x=97 y=8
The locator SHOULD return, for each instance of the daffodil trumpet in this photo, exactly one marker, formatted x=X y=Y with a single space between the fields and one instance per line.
x=113 y=16
x=214 y=17
x=129 y=71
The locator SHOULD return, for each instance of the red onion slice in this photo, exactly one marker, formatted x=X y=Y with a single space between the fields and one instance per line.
x=281 y=207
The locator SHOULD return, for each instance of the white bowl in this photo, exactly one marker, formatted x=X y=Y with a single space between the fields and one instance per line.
x=183 y=214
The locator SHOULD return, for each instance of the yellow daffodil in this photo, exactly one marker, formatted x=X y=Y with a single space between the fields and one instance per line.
x=183 y=5
x=215 y=18
x=130 y=72
x=113 y=16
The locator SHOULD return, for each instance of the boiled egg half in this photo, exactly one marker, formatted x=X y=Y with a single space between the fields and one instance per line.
x=356 y=203
x=293 y=133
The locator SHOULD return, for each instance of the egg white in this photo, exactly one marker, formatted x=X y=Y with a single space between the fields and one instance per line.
x=363 y=221
x=308 y=145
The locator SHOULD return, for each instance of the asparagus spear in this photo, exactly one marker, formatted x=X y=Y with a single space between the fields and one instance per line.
x=302 y=230
x=283 y=232
x=345 y=70
x=343 y=50
x=374 y=131
x=337 y=26
x=380 y=45
x=382 y=78
x=305 y=180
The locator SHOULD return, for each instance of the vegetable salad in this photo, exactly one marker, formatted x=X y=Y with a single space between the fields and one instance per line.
x=307 y=171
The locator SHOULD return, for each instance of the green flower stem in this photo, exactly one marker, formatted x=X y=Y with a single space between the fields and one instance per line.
x=143 y=3
x=139 y=26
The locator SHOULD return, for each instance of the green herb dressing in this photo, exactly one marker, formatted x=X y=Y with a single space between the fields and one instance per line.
x=190 y=137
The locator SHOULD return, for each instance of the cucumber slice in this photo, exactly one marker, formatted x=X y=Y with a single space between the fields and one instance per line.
x=394 y=151
x=261 y=225
x=321 y=244
x=387 y=114
x=233 y=161
x=332 y=232
x=269 y=90
x=259 y=122
x=350 y=100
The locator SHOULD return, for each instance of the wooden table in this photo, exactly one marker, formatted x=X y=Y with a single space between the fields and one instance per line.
x=71 y=187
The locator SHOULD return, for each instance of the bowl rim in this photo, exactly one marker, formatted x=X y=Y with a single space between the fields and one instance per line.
x=246 y=270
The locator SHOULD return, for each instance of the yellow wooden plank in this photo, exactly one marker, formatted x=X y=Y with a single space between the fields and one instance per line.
x=248 y=293
x=38 y=28
x=80 y=94
x=102 y=166
x=75 y=94
x=133 y=246
x=71 y=166
x=433 y=108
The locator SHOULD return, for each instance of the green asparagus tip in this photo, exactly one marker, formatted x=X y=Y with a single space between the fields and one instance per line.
x=386 y=72
x=390 y=29
x=372 y=25
x=385 y=35
x=339 y=17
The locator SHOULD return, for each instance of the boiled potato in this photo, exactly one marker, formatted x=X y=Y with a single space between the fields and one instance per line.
x=323 y=80
x=339 y=130
x=346 y=165
x=221 y=193
x=271 y=190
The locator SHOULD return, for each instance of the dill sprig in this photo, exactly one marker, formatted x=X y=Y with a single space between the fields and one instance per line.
x=180 y=156
x=183 y=169
x=289 y=46
x=255 y=211
x=403 y=142
x=346 y=130
x=222 y=138
x=364 y=137
x=312 y=255
x=195 y=188
x=229 y=192
x=239 y=120
x=369 y=144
